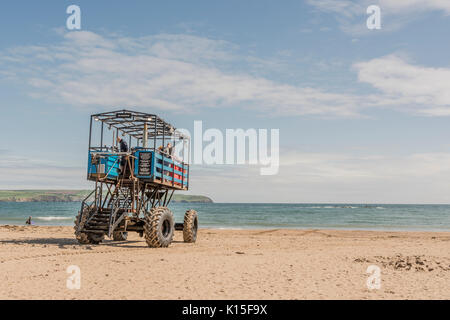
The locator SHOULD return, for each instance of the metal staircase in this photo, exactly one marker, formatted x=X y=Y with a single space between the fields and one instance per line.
x=98 y=222
x=106 y=220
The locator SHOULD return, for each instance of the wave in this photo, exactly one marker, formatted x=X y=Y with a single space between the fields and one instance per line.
x=51 y=218
x=333 y=207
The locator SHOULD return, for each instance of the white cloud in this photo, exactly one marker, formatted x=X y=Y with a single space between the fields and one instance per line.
x=351 y=15
x=351 y=8
x=345 y=8
x=185 y=73
x=303 y=177
x=22 y=173
x=402 y=6
x=333 y=177
x=423 y=89
x=171 y=72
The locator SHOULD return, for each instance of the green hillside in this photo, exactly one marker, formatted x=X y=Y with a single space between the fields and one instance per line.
x=74 y=195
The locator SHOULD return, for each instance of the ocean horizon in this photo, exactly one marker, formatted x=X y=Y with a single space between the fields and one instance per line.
x=345 y=216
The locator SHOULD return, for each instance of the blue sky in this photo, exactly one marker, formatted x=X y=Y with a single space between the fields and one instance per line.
x=363 y=114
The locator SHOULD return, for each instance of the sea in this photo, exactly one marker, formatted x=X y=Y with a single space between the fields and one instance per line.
x=388 y=217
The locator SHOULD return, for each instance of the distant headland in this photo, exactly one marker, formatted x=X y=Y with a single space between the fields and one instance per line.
x=75 y=195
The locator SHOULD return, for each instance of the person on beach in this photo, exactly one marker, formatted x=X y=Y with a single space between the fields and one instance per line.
x=28 y=222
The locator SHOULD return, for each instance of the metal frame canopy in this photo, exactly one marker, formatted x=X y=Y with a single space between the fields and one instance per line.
x=135 y=124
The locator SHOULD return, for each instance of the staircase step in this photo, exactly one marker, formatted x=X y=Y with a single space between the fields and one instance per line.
x=98 y=228
x=98 y=224
x=100 y=219
x=93 y=231
x=119 y=204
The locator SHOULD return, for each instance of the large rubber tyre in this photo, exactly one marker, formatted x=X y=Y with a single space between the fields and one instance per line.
x=120 y=236
x=86 y=238
x=95 y=238
x=159 y=227
x=190 y=226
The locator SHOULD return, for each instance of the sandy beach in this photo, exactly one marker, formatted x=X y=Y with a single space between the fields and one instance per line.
x=227 y=264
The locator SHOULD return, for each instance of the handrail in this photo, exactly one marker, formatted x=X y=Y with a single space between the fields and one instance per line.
x=90 y=194
x=115 y=207
x=107 y=174
x=96 y=153
x=84 y=205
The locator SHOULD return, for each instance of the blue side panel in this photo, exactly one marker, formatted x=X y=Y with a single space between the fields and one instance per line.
x=169 y=170
x=156 y=167
x=106 y=165
x=147 y=165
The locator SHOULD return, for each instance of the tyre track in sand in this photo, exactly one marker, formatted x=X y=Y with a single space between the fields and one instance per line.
x=20 y=258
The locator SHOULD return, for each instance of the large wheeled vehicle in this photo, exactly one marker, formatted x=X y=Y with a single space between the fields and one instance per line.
x=134 y=188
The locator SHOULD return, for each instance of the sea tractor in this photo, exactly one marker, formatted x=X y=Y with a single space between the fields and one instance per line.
x=133 y=187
